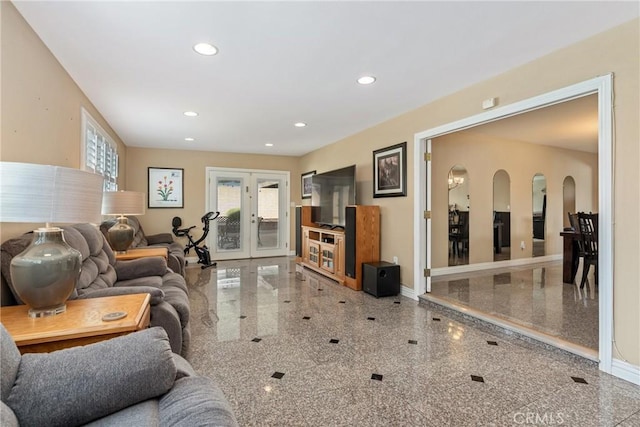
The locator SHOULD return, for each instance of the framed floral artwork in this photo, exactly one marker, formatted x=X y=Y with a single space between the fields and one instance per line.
x=166 y=188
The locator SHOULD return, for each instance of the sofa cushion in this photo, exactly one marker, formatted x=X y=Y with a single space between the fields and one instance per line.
x=9 y=362
x=195 y=401
x=144 y=414
x=7 y=417
x=80 y=384
x=141 y=267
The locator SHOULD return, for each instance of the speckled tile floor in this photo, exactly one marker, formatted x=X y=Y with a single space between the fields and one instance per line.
x=292 y=349
x=531 y=296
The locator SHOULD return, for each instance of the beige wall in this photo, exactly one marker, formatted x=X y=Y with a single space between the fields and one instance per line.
x=40 y=105
x=194 y=164
x=483 y=156
x=614 y=51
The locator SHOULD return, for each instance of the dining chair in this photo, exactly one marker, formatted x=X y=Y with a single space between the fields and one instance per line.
x=588 y=227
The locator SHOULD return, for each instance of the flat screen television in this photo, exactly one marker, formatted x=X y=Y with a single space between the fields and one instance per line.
x=331 y=193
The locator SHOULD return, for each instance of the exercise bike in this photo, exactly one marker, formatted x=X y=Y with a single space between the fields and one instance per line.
x=204 y=257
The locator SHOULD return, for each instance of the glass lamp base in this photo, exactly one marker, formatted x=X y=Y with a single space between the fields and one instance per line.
x=47 y=312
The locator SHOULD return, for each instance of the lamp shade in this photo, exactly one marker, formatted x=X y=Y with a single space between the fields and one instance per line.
x=44 y=275
x=123 y=203
x=43 y=193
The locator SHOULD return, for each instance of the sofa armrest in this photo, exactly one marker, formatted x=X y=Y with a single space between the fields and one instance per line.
x=141 y=267
x=80 y=384
x=196 y=401
x=157 y=295
x=159 y=238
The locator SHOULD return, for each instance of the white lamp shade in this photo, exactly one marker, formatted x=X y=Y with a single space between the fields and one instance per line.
x=44 y=193
x=123 y=203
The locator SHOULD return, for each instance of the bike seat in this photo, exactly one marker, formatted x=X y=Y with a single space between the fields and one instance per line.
x=182 y=232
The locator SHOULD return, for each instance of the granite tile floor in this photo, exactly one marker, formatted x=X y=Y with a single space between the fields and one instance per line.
x=296 y=349
x=532 y=296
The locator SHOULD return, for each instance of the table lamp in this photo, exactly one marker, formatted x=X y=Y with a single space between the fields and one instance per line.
x=122 y=203
x=44 y=275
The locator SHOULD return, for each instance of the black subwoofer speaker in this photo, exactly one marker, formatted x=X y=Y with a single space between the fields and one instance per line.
x=298 y=231
x=381 y=279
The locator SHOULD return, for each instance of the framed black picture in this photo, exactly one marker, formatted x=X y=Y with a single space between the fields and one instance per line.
x=166 y=188
x=390 y=171
x=305 y=185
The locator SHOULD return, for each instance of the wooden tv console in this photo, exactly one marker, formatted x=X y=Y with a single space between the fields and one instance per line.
x=324 y=249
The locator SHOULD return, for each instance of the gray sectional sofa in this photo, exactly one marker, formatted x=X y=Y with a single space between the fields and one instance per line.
x=102 y=275
x=133 y=380
x=176 y=260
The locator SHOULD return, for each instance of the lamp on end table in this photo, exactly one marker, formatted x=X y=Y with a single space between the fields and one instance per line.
x=122 y=203
x=44 y=275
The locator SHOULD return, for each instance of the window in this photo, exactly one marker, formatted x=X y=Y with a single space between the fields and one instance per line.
x=99 y=152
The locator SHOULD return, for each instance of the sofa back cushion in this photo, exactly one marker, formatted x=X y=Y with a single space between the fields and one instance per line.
x=139 y=238
x=97 y=257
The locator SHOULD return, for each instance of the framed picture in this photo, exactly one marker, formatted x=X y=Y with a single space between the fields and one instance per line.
x=390 y=171
x=166 y=188
x=305 y=185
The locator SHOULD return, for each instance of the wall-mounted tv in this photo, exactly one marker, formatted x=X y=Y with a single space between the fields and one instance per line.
x=331 y=193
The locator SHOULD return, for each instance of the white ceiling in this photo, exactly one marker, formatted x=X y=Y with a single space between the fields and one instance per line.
x=571 y=124
x=284 y=62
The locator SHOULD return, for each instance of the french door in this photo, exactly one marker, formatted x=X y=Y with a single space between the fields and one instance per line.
x=254 y=217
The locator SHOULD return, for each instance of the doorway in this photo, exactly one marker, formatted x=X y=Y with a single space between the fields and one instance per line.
x=254 y=220
x=602 y=86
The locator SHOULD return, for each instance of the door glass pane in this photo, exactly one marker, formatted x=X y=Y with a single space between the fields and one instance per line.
x=268 y=213
x=229 y=197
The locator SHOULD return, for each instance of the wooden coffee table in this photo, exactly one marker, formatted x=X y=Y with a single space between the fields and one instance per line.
x=81 y=324
x=136 y=253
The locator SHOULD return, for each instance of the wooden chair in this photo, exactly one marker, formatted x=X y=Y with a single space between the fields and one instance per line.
x=588 y=243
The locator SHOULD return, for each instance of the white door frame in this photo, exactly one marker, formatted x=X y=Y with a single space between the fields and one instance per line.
x=603 y=86
x=287 y=194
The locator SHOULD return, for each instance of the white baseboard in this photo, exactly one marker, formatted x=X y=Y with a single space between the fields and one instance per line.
x=408 y=292
x=441 y=271
x=626 y=371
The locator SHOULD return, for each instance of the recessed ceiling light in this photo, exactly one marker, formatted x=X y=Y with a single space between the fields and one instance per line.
x=189 y=139
x=190 y=113
x=300 y=125
x=268 y=144
x=205 y=49
x=366 y=80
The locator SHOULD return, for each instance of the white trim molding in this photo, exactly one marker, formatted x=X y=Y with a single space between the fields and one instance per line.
x=626 y=371
x=601 y=85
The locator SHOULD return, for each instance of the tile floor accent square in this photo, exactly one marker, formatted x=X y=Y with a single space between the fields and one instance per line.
x=342 y=302
x=371 y=318
x=243 y=317
x=477 y=378
x=277 y=375
x=256 y=340
x=492 y=343
x=287 y=302
x=334 y=341
x=413 y=342
x=306 y=318
x=579 y=380
x=376 y=377
x=436 y=319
